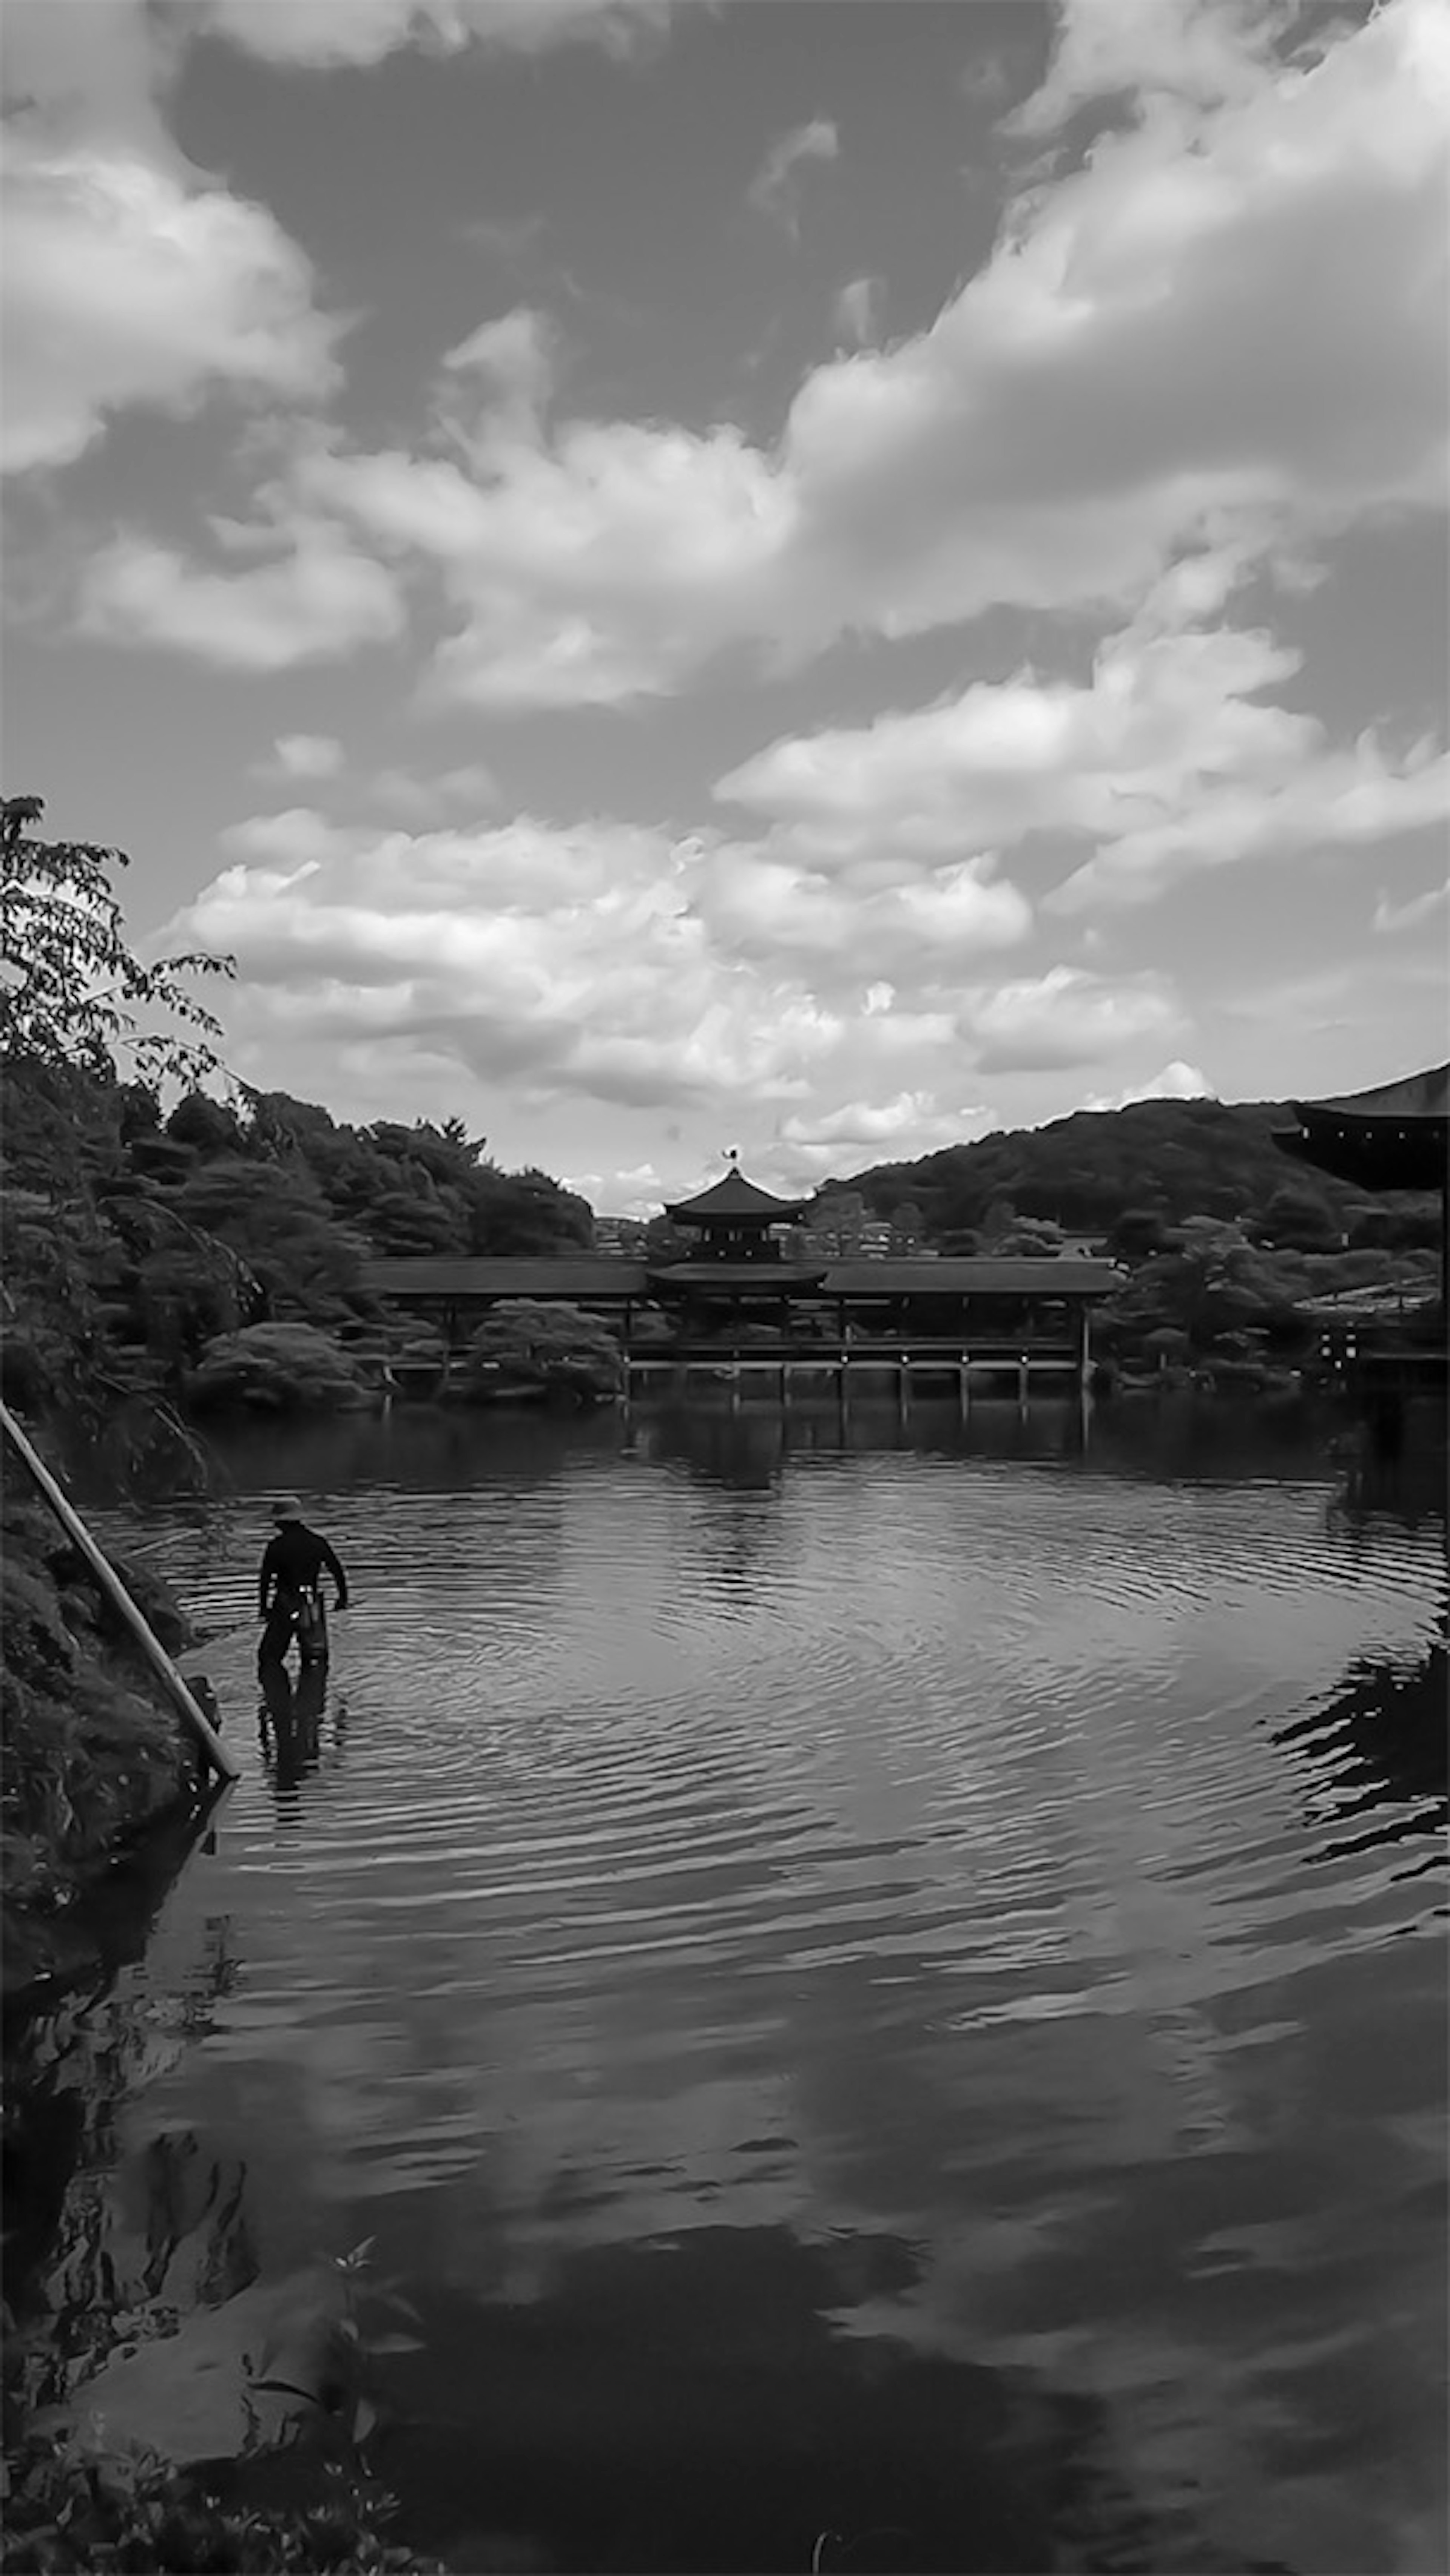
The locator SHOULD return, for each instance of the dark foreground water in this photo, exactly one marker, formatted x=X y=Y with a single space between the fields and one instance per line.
x=881 y=1995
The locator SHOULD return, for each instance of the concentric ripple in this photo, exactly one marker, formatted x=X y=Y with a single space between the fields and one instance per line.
x=918 y=1840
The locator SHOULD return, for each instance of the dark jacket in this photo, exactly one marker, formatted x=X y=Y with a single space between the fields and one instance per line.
x=293 y=1561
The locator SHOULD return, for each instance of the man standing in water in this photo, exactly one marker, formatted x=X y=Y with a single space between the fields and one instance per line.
x=290 y=1595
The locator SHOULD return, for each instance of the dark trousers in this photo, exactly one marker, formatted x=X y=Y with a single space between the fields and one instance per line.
x=284 y=1622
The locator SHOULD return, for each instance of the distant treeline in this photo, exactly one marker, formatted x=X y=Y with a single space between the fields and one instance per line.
x=137 y=1245
x=132 y=1239
x=1133 y=1176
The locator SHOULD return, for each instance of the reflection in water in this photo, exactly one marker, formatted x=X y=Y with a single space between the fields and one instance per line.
x=866 y=1985
x=793 y=2439
x=1380 y=1744
x=289 y=1721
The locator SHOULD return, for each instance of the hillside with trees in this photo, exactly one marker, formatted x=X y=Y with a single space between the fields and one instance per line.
x=1132 y=1176
x=1233 y=1254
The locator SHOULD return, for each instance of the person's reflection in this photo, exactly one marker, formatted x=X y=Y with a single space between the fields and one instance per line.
x=289 y=1722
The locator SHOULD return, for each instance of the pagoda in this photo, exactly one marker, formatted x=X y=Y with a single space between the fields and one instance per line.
x=738 y=1256
x=733 y=1218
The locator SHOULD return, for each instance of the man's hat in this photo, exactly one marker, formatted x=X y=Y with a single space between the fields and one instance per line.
x=289 y=1509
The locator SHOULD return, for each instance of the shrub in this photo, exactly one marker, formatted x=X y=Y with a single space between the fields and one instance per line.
x=275 y=1368
x=532 y=1341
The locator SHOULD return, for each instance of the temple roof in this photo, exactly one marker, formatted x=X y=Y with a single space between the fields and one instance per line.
x=1415 y=1097
x=1391 y=1138
x=731 y=1199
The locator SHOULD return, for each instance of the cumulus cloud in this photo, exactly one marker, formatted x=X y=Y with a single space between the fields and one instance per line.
x=568 y=961
x=515 y=356
x=328 y=33
x=775 y=187
x=1414 y=912
x=589 y=962
x=296 y=841
x=319 y=599
x=762 y=900
x=1162 y=759
x=471 y=788
x=1177 y=1081
x=306 y=755
x=131 y=278
x=1066 y=1017
x=1157 y=53
x=856 y=307
x=896 y=1129
x=125 y=284
x=1116 y=383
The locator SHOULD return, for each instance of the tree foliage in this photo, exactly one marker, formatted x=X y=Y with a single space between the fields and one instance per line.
x=530 y=1341
x=1165 y=1161
x=73 y=991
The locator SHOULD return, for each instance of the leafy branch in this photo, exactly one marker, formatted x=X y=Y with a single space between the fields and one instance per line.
x=72 y=990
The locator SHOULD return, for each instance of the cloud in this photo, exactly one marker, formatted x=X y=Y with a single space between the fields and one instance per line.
x=898 y=1130
x=131 y=278
x=856 y=307
x=1162 y=759
x=1413 y=912
x=516 y=356
x=1177 y=1081
x=1206 y=52
x=989 y=79
x=1116 y=384
x=318 y=600
x=568 y=962
x=1066 y=1017
x=472 y=787
x=774 y=190
x=762 y=900
x=123 y=283
x=306 y=755
x=295 y=841
x=324 y=34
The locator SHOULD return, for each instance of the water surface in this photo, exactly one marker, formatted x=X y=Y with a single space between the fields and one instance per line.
x=880 y=1980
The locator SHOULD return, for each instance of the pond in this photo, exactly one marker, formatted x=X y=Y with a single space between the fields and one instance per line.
x=876 y=1983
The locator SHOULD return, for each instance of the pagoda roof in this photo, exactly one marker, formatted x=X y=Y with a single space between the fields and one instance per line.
x=732 y=1198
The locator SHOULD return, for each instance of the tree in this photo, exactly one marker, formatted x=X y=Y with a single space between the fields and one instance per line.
x=1138 y=1233
x=207 y=1124
x=1298 y=1220
x=1029 y=1238
x=73 y=989
x=837 y=1220
x=275 y=1368
x=908 y=1226
x=531 y=1341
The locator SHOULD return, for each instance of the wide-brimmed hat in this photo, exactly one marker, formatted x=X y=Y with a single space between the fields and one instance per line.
x=289 y=1509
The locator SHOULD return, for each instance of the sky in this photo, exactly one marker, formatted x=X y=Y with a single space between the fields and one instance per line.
x=817 y=577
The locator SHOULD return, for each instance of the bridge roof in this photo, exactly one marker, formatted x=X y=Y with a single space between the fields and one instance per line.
x=762 y=1278
x=595 y=1275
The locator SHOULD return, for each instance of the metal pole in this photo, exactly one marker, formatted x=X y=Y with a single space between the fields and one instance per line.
x=120 y=1599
